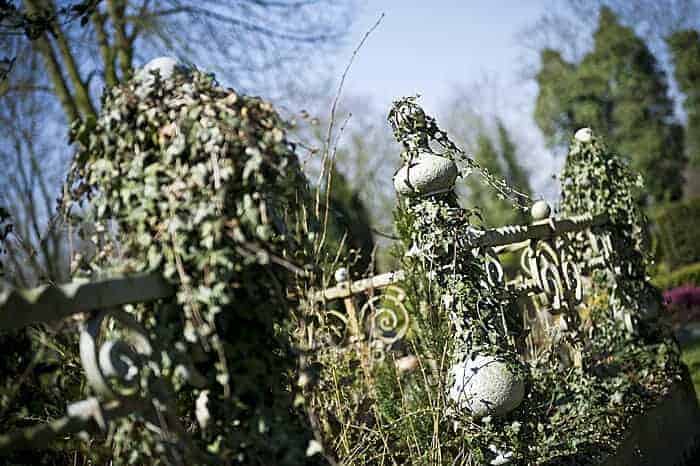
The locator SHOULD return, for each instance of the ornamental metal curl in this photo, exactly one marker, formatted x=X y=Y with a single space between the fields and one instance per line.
x=493 y=268
x=113 y=367
x=387 y=315
x=382 y=320
x=554 y=273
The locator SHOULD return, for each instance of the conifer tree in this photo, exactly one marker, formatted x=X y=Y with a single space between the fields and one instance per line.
x=685 y=49
x=350 y=232
x=619 y=90
x=500 y=160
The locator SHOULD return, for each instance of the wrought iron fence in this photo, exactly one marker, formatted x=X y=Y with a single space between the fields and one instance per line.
x=111 y=366
x=556 y=258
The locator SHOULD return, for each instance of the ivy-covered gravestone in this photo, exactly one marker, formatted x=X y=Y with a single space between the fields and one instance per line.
x=190 y=179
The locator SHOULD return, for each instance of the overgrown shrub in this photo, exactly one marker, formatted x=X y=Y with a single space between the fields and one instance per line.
x=678 y=233
x=193 y=180
x=393 y=406
x=40 y=375
x=683 y=304
x=688 y=275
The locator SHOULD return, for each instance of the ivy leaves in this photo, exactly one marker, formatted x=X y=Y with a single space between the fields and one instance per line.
x=199 y=182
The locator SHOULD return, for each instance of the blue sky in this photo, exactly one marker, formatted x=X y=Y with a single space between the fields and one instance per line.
x=432 y=47
x=428 y=46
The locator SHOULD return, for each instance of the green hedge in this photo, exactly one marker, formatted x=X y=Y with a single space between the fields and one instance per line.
x=678 y=232
x=688 y=275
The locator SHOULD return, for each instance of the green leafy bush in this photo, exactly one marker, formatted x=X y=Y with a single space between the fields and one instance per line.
x=688 y=275
x=678 y=233
x=183 y=176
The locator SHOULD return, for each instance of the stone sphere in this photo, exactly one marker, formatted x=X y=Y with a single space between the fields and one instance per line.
x=426 y=174
x=584 y=135
x=166 y=66
x=341 y=275
x=540 y=210
x=486 y=386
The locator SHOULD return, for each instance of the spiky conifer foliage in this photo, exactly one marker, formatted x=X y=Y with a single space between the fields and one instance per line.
x=619 y=90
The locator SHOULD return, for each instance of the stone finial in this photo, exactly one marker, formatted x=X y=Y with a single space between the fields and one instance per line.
x=584 y=135
x=540 y=210
x=341 y=275
x=426 y=174
x=486 y=386
x=166 y=67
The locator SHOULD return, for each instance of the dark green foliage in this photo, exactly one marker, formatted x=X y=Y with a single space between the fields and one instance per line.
x=186 y=177
x=678 y=233
x=685 y=50
x=501 y=161
x=687 y=275
x=40 y=374
x=349 y=225
x=691 y=358
x=553 y=112
x=620 y=92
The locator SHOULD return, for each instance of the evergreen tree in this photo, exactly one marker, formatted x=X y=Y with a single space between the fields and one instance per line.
x=553 y=113
x=685 y=50
x=618 y=90
x=501 y=161
x=349 y=231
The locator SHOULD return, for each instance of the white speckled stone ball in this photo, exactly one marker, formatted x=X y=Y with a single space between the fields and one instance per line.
x=540 y=210
x=166 y=66
x=341 y=275
x=584 y=135
x=426 y=174
x=486 y=386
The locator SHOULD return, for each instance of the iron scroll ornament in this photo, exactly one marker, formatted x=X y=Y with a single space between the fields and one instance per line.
x=112 y=368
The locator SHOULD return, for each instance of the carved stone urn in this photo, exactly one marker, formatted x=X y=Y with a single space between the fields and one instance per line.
x=426 y=174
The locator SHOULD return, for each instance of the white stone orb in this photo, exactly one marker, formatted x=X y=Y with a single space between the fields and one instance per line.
x=485 y=386
x=540 y=210
x=426 y=174
x=584 y=135
x=165 y=66
x=341 y=275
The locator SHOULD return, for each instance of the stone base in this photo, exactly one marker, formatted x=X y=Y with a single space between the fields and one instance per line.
x=666 y=435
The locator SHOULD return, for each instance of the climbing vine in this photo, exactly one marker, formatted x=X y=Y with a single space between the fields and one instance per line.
x=595 y=180
x=183 y=176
